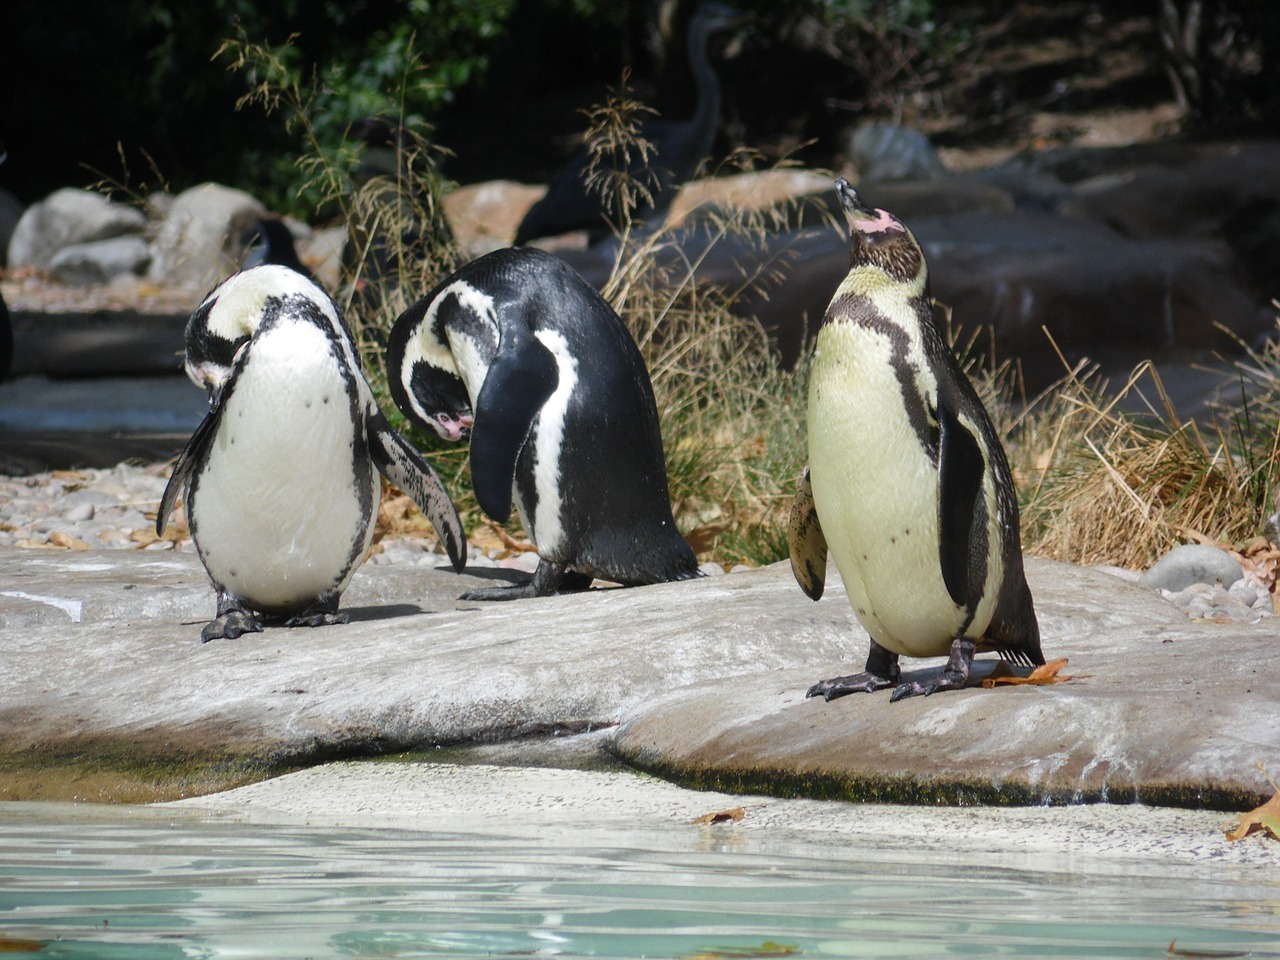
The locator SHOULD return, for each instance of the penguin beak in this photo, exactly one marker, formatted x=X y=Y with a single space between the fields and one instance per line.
x=861 y=218
x=208 y=377
x=454 y=428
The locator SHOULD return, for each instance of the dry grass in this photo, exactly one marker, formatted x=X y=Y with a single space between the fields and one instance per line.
x=1097 y=485
x=1103 y=486
x=732 y=420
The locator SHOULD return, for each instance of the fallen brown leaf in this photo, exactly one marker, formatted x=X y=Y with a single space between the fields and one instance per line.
x=20 y=945
x=702 y=538
x=766 y=949
x=1265 y=818
x=36 y=545
x=1202 y=954
x=507 y=540
x=66 y=540
x=721 y=816
x=1040 y=676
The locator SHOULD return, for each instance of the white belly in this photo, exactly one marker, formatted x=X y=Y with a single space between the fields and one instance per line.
x=876 y=493
x=277 y=508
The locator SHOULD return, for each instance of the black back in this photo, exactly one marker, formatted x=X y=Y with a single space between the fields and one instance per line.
x=616 y=512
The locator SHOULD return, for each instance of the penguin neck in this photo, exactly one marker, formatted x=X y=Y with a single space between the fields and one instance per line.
x=876 y=284
x=707 y=114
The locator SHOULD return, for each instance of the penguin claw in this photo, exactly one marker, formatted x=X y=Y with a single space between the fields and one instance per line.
x=317 y=618
x=944 y=681
x=843 y=686
x=231 y=624
x=515 y=591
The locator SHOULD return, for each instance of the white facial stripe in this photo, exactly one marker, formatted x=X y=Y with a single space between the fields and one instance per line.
x=549 y=441
x=460 y=353
x=425 y=347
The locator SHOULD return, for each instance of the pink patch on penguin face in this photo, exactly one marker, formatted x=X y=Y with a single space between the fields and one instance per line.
x=883 y=223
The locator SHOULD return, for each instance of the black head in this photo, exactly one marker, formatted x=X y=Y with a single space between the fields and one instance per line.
x=440 y=401
x=879 y=239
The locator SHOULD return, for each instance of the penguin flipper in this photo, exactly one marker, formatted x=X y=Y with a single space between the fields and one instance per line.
x=404 y=466
x=185 y=466
x=519 y=381
x=960 y=471
x=807 y=543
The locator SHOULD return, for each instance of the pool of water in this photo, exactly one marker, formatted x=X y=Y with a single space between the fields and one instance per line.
x=145 y=883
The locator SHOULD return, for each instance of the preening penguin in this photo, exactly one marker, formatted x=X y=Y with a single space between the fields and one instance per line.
x=281 y=476
x=523 y=354
x=908 y=485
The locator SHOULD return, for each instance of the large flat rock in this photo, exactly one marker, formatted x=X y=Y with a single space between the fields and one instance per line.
x=1164 y=710
x=103 y=682
x=101 y=658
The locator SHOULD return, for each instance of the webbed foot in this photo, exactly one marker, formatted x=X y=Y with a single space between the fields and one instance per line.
x=316 y=618
x=954 y=675
x=322 y=613
x=881 y=671
x=549 y=578
x=514 y=591
x=854 y=683
x=230 y=624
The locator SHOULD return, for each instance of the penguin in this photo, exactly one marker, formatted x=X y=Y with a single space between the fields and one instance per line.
x=271 y=241
x=907 y=486
x=520 y=353
x=281 y=476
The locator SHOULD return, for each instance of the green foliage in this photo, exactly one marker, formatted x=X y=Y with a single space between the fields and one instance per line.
x=138 y=73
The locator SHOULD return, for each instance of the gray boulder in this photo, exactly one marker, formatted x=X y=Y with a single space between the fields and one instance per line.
x=884 y=151
x=1192 y=563
x=100 y=261
x=67 y=217
x=1099 y=294
x=199 y=241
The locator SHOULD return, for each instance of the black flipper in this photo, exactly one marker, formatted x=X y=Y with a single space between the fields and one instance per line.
x=191 y=455
x=806 y=542
x=520 y=379
x=960 y=470
x=396 y=460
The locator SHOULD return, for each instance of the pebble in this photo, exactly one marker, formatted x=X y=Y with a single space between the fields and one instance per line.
x=1241 y=600
x=114 y=509
x=108 y=510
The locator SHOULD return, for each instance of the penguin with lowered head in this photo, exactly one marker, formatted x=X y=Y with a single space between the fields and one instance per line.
x=280 y=479
x=908 y=486
x=517 y=351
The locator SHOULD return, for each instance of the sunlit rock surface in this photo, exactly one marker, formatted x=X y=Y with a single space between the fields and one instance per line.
x=102 y=663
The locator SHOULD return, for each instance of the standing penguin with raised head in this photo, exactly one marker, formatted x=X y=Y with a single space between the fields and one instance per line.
x=281 y=477
x=520 y=352
x=907 y=485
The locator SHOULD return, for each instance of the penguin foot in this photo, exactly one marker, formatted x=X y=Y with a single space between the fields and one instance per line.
x=230 y=624
x=549 y=578
x=316 y=618
x=954 y=675
x=515 y=591
x=881 y=671
x=854 y=683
